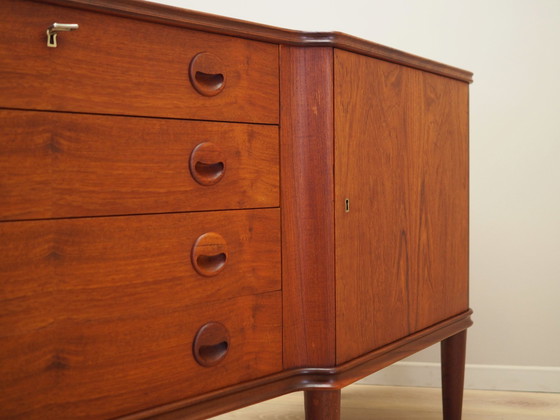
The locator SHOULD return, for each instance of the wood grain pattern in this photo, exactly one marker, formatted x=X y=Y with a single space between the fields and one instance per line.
x=222 y=25
x=402 y=161
x=97 y=317
x=81 y=365
x=63 y=165
x=108 y=312
x=439 y=194
x=371 y=241
x=306 y=378
x=136 y=256
x=306 y=134
x=114 y=65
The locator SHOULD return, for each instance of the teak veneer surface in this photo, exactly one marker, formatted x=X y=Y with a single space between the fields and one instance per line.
x=97 y=315
x=290 y=380
x=307 y=201
x=334 y=243
x=115 y=65
x=404 y=169
x=70 y=165
x=132 y=255
x=170 y=15
x=109 y=365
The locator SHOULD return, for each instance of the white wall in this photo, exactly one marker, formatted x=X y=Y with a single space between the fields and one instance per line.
x=513 y=47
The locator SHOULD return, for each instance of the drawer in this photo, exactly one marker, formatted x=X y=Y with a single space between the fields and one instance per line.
x=100 y=315
x=116 y=65
x=75 y=357
x=176 y=259
x=64 y=165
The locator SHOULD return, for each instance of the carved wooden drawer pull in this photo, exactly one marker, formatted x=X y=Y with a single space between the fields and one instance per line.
x=209 y=254
x=206 y=72
x=207 y=164
x=211 y=344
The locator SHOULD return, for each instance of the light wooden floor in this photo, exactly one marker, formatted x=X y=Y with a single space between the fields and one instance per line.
x=361 y=402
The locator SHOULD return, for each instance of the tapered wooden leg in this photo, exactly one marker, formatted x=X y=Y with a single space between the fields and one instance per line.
x=453 y=374
x=322 y=405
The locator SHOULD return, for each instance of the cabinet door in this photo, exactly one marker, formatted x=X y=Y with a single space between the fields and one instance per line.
x=401 y=201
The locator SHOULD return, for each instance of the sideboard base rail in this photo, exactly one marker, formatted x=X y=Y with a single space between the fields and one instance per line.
x=316 y=379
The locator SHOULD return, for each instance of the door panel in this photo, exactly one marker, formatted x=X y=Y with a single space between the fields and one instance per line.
x=401 y=240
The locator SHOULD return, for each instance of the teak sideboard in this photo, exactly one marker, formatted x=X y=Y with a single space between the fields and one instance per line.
x=199 y=213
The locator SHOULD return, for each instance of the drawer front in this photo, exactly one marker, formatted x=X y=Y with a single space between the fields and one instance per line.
x=174 y=258
x=116 y=65
x=64 y=165
x=70 y=359
x=99 y=316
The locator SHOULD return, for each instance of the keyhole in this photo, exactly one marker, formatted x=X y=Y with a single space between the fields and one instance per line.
x=52 y=40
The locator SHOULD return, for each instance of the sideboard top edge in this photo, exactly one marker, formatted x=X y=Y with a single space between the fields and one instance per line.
x=171 y=15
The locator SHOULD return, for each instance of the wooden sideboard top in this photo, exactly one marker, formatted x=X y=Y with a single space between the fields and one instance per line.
x=170 y=15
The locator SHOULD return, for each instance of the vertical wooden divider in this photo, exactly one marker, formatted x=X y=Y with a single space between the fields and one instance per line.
x=306 y=136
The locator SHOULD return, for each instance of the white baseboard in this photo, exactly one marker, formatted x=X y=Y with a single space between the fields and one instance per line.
x=495 y=377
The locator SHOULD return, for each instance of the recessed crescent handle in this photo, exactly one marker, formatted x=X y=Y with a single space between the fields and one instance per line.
x=211 y=344
x=209 y=254
x=207 y=163
x=207 y=74
x=55 y=28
